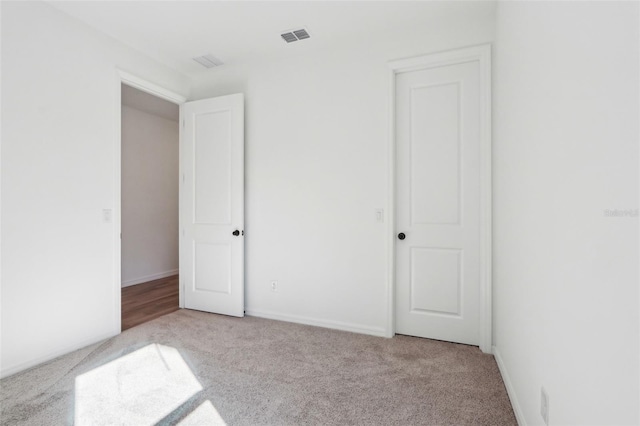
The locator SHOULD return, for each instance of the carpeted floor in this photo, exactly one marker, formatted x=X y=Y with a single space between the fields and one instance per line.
x=190 y=367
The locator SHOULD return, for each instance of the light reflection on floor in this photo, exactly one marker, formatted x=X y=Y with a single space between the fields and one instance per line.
x=204 y=414
x=140 y=388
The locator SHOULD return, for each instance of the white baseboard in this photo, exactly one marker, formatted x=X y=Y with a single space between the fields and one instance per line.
x=6 y=372
x=151 y=277
x=336 y=325
x=510 y=390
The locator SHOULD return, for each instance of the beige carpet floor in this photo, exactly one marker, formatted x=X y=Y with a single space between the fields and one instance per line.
x=190 y=367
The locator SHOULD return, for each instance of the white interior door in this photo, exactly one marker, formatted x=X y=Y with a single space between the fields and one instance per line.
x=438 y=202
x=212 y=205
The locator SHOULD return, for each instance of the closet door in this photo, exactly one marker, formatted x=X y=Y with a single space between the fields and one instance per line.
x=438 y=202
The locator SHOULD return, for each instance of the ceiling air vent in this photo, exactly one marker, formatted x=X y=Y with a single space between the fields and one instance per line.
x=208 y=61
x=294 y=35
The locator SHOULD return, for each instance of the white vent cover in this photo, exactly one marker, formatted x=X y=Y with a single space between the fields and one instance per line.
x=294 y=35
x=208 y=61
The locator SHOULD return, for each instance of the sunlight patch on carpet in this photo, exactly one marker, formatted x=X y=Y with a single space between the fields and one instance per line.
x=140 y=388
x=204 y=414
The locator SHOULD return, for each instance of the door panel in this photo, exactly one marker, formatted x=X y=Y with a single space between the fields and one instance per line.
x=436 y=281
x=212 y=205
x=438 y=202
x=435 y=154
x=212 y=267
x=212 y=167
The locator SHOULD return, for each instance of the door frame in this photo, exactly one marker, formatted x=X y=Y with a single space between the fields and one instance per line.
x=123 y=77
x=481 y=54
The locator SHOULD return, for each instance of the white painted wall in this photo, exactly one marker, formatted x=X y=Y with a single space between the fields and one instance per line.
x=149 y=196
x=316 y=162
x=59 y=99
x=565 y=150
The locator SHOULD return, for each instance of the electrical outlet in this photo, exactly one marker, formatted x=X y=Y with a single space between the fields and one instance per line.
x=274 y=285
x=544 y=406
x=107 y=215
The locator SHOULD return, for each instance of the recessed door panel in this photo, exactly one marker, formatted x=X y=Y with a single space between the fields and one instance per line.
x=435 y=154
x=212 y=268
x=436 y=281
x=212 y=167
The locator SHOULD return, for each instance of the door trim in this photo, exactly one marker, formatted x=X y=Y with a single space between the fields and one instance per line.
x=481 y=54
x=123 y=77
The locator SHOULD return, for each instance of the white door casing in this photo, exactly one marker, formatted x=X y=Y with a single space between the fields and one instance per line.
x=212 y=205
x=442 y=196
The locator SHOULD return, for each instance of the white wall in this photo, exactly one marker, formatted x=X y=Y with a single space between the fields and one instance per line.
x=316 y=170
x=565 y=150
x=149 y=196
x=59 y=103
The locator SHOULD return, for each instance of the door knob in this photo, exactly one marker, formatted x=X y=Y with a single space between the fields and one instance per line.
x=236 y=232
x=401 y=236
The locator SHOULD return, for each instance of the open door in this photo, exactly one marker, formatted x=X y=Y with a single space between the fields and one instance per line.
x=212 y=205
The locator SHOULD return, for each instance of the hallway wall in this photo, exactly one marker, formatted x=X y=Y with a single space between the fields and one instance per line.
x=150 y=162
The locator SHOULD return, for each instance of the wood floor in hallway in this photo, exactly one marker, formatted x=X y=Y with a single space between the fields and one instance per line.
x=150 y=300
